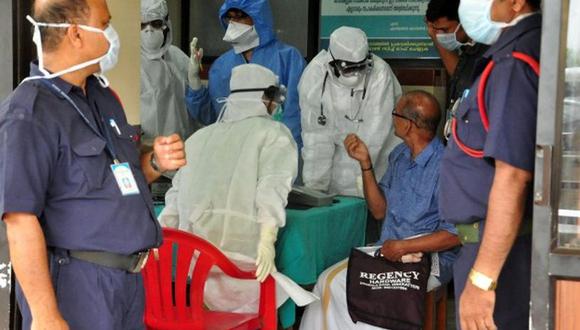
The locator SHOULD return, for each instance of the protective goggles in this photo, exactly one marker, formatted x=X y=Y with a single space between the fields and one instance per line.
x=348 y=69
x=157 y=24
x=273 y=93
x=235 y=15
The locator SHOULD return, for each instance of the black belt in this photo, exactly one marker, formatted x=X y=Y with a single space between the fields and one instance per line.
x=469 y=232
x=133 y=263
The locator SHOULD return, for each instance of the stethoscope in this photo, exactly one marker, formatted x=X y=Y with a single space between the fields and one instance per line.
x=322 y=119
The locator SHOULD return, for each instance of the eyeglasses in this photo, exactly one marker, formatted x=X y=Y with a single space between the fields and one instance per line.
x=235 y=15
x=402 y=116
x=157 y=24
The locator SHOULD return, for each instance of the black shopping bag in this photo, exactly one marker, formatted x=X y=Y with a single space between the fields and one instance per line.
x=387 y=294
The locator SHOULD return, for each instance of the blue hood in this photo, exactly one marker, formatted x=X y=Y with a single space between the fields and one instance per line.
x=259 y=11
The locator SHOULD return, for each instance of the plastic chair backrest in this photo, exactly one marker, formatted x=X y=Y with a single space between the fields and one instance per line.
x=166 y=299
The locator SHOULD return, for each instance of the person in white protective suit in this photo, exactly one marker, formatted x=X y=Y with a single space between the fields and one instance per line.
x=233 y=190
x=345 y=90
x=164 y=76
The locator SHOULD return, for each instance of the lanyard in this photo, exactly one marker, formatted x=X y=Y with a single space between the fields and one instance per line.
x=107 y=137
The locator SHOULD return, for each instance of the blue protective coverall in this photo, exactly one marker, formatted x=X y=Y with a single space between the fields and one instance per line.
x=284 y=60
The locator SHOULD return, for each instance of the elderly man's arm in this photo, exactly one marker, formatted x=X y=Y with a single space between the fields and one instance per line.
x=168 y=153
x=440 y=240
x=29 y=261
x=374 y=197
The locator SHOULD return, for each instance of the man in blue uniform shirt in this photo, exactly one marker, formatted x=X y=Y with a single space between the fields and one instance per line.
x=486 y=174
x=250 y=29
x=73 y=187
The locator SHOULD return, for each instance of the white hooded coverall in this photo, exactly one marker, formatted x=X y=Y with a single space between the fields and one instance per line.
x=163 y=81
x=238 y=175
x=327 y=166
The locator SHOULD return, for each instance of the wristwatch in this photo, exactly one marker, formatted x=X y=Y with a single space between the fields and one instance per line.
x=482 y=281
x=154 y=164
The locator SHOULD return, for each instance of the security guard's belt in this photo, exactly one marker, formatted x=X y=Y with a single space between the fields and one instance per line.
x=131 y=263
x=469 y=232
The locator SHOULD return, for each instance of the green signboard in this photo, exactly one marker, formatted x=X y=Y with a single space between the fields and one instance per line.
x=395 y=28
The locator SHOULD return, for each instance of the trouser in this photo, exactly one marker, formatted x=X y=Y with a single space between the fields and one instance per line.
x=512 y=305
x=373 y=229
x=93 y=297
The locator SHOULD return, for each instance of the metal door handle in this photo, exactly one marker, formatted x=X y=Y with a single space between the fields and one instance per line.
x=542 y=192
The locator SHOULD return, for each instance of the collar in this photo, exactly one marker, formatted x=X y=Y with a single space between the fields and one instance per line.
x=59 y=82
x=476 y=49
x=425 y=155
x=510 y=34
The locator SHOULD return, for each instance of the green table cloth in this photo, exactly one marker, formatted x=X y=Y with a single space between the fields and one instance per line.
x=315 y=239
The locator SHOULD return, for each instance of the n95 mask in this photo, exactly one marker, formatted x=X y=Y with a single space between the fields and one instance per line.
x=243 y=37
x=152 y=39
x=106 y=62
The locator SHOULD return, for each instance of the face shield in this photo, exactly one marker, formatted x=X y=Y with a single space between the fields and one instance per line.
x=351 y=69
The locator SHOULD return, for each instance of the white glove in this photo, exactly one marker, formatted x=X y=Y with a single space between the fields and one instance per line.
x=411 y=258
x=194 y=65
x=266 y=252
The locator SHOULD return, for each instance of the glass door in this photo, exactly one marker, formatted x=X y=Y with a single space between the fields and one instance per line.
x=556 y=252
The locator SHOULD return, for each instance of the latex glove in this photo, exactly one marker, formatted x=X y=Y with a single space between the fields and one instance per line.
x=411 y=258
x=266 y=252
x=194 y=65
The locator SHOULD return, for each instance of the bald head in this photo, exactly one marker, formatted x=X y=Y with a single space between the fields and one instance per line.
x=59 y=11
x=422 y=108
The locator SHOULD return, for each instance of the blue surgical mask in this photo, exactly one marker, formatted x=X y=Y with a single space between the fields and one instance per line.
x=449 y=40
x=474 y=16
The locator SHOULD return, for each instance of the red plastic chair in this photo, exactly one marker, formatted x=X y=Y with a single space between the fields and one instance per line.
x=165 y=304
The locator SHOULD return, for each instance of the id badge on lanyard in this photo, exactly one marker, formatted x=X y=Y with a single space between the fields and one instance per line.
x=121 y=171
x=125 y=179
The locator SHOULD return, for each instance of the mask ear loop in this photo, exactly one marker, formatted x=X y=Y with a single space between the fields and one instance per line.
x=224 y=101
x=470 y=43
x=37 y=38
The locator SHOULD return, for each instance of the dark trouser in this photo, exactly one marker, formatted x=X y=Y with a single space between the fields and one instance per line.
x=373 y=229
x=92 y=297
x=512 y=306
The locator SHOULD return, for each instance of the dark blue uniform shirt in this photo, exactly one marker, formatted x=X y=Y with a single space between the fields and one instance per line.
x=54 y=166
x=511 y=98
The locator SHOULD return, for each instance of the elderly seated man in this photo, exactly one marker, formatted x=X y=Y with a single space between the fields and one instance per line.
x=406 y=198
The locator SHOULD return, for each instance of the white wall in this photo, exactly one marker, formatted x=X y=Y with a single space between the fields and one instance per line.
x=6 y=49
x=125 y=78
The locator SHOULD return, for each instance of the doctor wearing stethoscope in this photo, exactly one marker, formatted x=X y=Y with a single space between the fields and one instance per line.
x=345 y=89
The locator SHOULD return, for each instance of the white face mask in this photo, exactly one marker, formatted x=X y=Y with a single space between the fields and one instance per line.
x=152 y=39
x=106 y=62
x=351 y=81
x=449 y=40
x=243 y=37
x=474 y=16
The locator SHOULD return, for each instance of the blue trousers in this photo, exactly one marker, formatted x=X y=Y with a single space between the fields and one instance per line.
x=92 y=297
x=512 y=305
